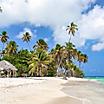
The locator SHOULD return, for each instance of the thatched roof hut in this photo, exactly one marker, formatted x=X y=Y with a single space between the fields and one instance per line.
x=7 y=68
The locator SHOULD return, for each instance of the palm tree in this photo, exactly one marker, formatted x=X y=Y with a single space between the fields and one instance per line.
x=26 y=38
x=68 y=58
x=11 y=48
x=70 y=50
x=85 y=58
x=4 y=37
x=39 y=63
x=41 y=44
x=69 y=65
x=78 y=73
x=81 y=58
x=71 y=29
x=57 y=54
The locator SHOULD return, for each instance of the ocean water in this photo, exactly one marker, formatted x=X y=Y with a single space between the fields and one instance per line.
x=100 y=79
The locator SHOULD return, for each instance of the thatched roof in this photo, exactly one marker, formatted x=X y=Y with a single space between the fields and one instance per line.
x=5 y=65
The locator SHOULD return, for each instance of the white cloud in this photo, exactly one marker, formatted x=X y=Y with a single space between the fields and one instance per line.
x=46 y=39
x=56 y=14
x=61 y=36
x=98 y=46
x=92 y=24
x=40 y=12
x=53 y=13
x=20 y=35
x=91 y=27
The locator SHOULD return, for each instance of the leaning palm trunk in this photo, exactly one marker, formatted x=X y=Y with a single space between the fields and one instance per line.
x=79 y=64
x=60 y=62
x=65 y=77
x=39 y=74
x=71 y=72
x=70 y=38
x=3 y=47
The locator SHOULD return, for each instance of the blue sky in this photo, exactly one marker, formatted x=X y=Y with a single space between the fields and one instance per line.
x=48 y=19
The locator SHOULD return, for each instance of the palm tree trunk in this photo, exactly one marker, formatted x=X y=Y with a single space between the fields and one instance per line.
x=3 y=47
x=79 y=64
x=72 y=73
x=29 y=46
x=65 y=75
x=2 y=51
x=70 y=38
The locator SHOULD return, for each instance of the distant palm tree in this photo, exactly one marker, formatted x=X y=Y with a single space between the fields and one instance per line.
x=41 y=44
x=71 y=30
x=26 y=38
x=4 y=37
x=11 y=48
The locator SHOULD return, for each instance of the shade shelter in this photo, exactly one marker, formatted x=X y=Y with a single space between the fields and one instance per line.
x=7 y=69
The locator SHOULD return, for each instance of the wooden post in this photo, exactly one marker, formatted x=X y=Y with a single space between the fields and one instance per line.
x=14 y=73
x=10 y=73
x=7 y=74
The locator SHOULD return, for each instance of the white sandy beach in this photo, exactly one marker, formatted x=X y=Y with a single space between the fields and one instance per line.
x=49 y=91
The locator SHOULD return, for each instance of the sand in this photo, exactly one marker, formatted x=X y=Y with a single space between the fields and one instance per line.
x=49 y=91
x=90 y=92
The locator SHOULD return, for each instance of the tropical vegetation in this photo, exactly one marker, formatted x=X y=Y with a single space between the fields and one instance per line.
x=39 y=61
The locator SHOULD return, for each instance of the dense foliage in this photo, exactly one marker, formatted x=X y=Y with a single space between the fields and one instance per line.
x=39 y=61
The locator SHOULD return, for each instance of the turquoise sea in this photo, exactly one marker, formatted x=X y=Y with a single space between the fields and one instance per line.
x=100 y=79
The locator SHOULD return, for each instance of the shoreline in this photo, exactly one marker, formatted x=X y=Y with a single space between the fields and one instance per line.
x=89 y=91
x=49 y=90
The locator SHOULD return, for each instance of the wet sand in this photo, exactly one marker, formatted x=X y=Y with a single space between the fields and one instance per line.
x=90 y=92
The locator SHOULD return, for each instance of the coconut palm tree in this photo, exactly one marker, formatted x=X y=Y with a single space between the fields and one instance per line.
x=4 y=37
x=41 y=44
x=57 y=54
x=78 y=72
x=68 y=57
x=26 y=38
x=69 y=65
x=85 y=58
x=39 y=63
x=71 y=30
x=70 y=50
x=81 y=58
x=11 y=48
